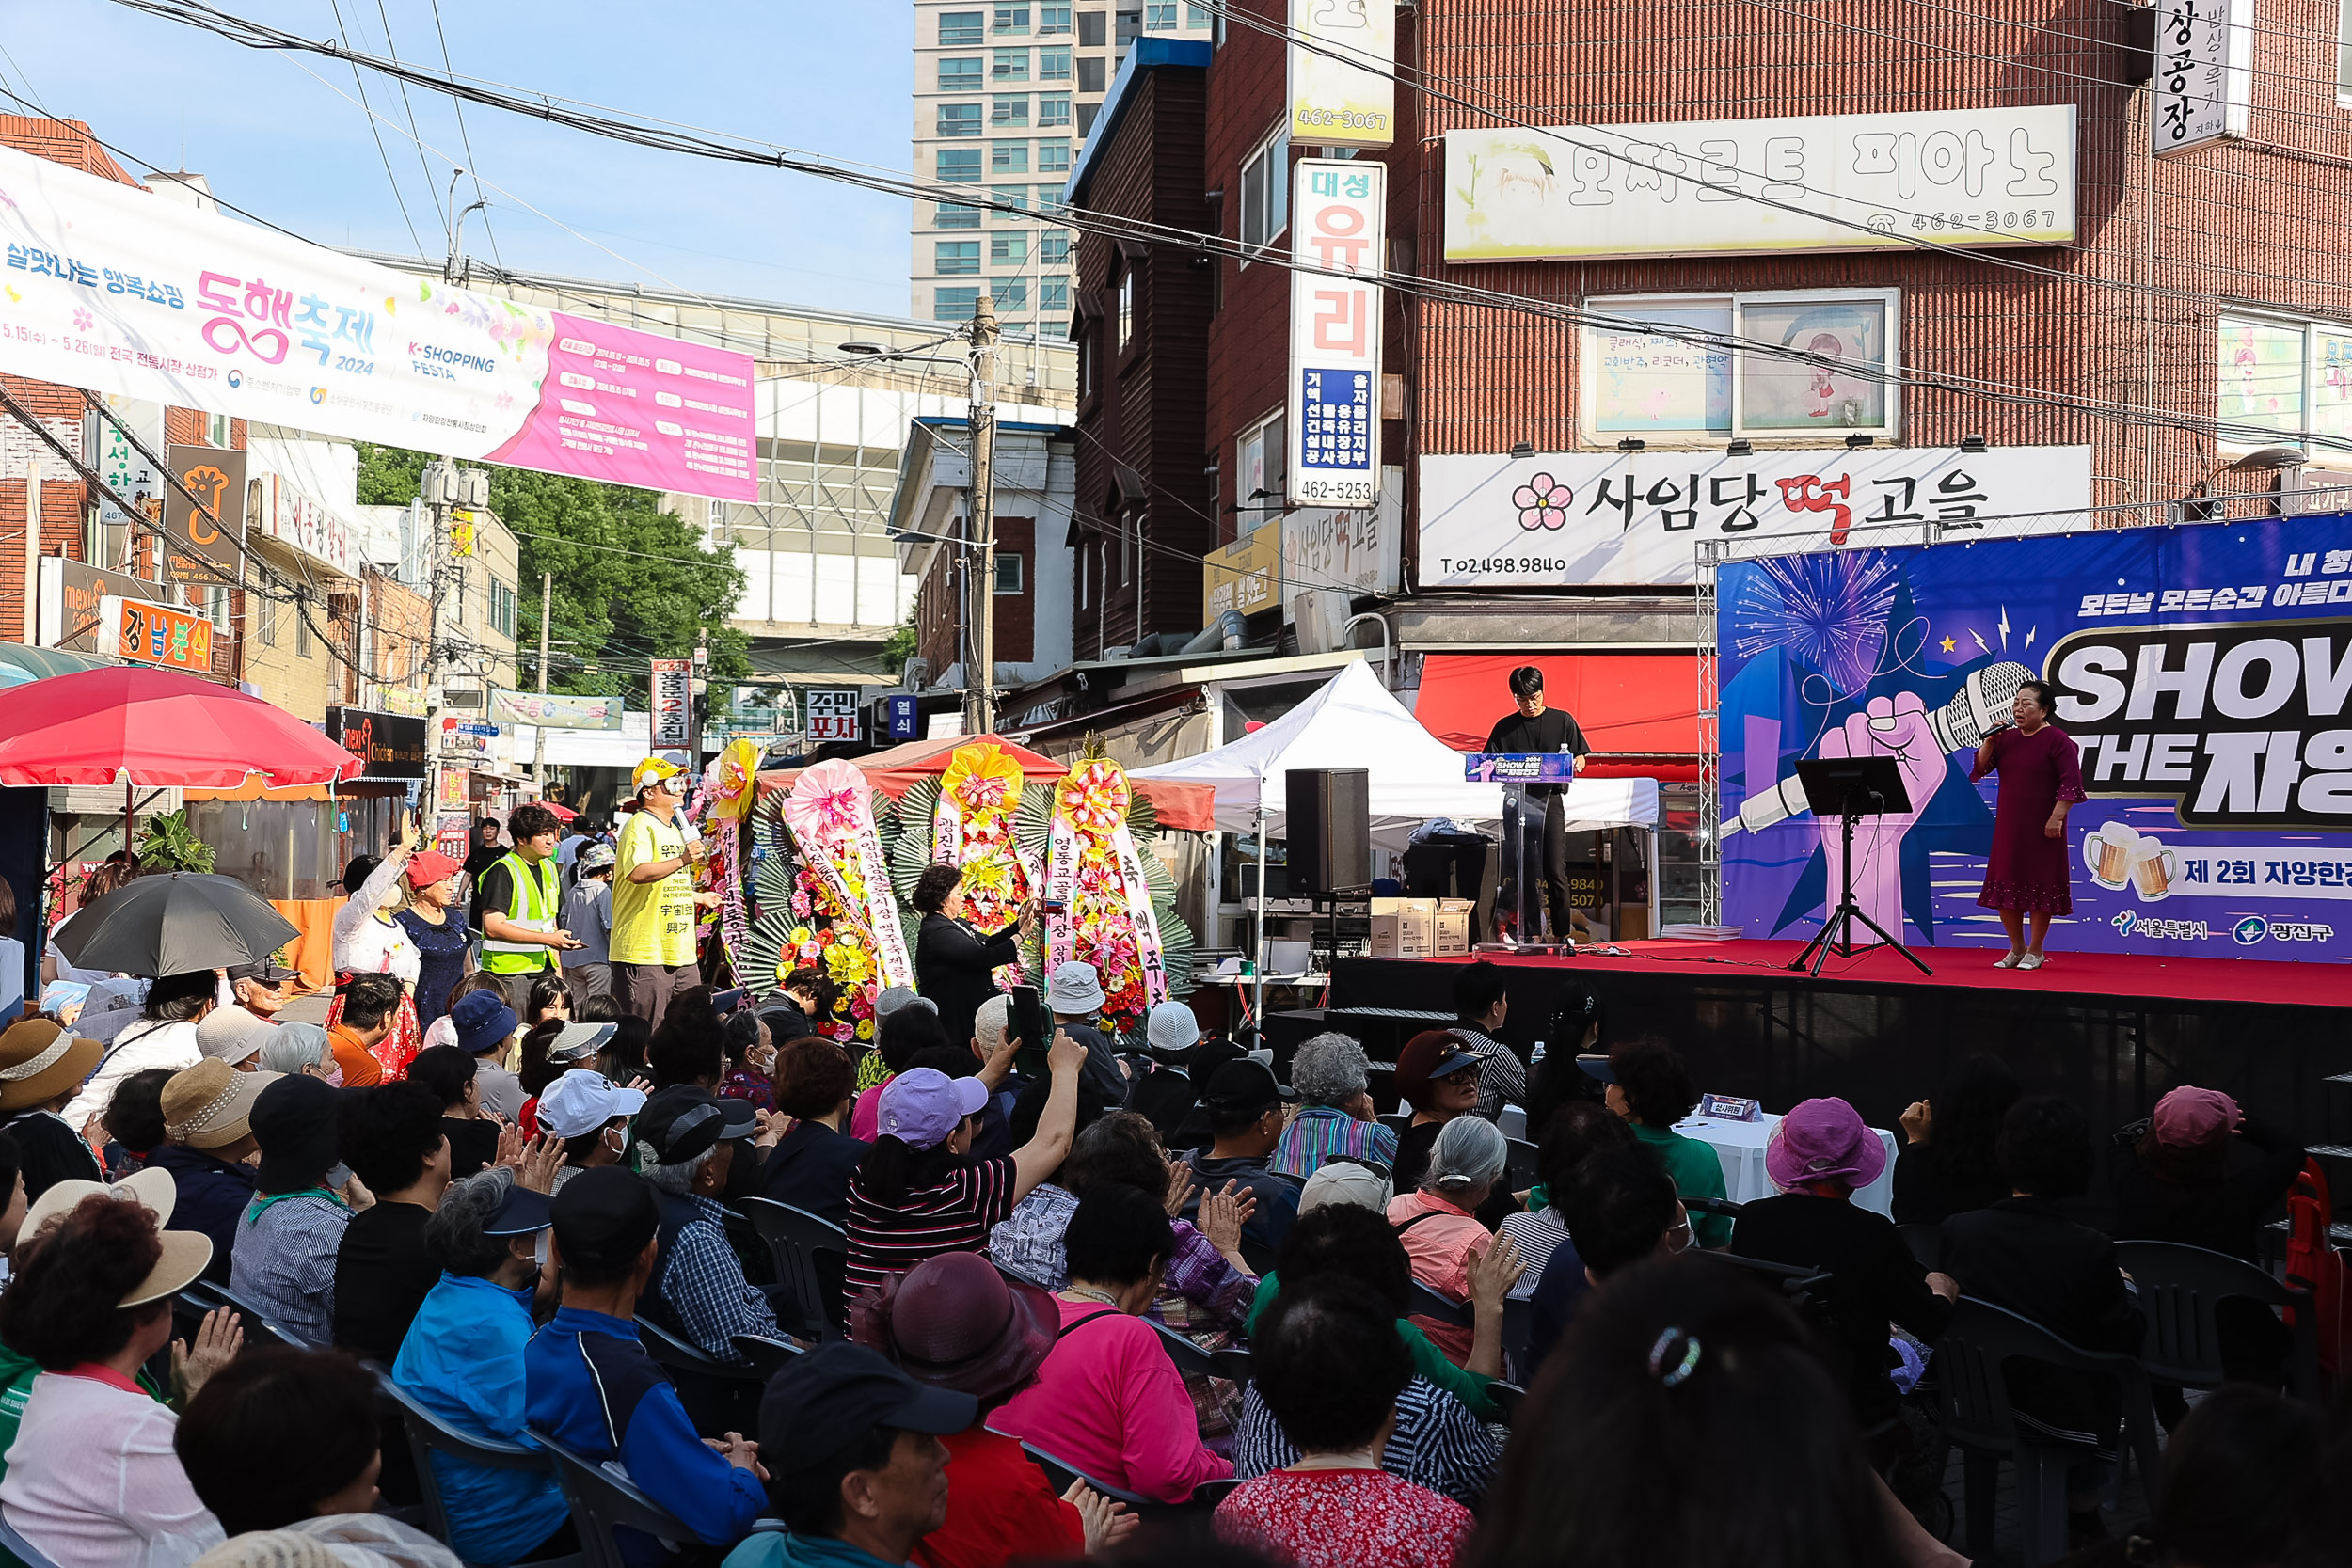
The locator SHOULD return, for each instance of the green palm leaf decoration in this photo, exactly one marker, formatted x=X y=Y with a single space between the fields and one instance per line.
x=763 y=961
x=912 y=851
x=1033 y=822
x=1143 y=818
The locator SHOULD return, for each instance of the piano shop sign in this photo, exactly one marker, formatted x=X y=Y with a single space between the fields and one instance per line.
x=2245 y=725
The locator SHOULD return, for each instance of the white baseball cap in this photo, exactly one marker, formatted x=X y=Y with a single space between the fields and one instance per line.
x=582 y=1100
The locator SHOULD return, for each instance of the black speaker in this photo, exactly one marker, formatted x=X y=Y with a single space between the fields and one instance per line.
x=1329 y=831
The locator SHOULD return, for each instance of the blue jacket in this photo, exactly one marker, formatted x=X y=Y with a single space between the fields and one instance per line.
x=593 y=1388
x=463 y=1360
x=210 y=1194
x=775 y=1550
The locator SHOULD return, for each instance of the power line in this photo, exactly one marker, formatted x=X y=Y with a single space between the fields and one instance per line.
x=431 y=188
x=464 y=140
x=380 y=149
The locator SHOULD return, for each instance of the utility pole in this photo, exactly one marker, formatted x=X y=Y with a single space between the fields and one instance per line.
x=980 y=681
x=539 y=756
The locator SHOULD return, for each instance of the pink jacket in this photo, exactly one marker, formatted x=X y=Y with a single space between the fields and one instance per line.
x=1109 y=1401
x=865 y=1115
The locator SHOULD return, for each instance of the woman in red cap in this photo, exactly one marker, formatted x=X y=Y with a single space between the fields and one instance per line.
x=434 y=925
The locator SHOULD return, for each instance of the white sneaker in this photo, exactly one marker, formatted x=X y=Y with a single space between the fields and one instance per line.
x=2031 y=960
x=2008 y=959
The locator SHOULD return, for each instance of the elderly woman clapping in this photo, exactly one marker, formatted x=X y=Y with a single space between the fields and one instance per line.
x=1335 y=1117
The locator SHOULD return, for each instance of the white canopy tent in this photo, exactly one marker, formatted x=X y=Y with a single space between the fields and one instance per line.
x=1354 y=721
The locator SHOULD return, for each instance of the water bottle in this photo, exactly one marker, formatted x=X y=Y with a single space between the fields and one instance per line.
x=1535 y=1056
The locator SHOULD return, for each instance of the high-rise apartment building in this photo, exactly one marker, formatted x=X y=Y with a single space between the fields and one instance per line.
x=1004 y=96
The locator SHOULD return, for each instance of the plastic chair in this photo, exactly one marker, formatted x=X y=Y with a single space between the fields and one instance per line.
x=1398 y=1123
x=768 y=1357
x=1976 y=1416
x=604 y=1499
x=1428 y=1303
x=206 y=1296
x=1191 y=1360
x=1506 y=1398
x=1512 y=1121
x=1211 y=1492
x=720 y=1397
x=1518 y=1326
x=797 y=1240
x=23 y=1550
x=1925 y=1242
x=1232 y=1365
x=1520 y=1163
x=428 y=1435
x=2180 y=1286
x=1060 y=1475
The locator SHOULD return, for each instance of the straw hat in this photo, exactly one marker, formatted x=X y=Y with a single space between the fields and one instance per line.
x=186 y=1253
x=40 y=1061
x=210 y=1105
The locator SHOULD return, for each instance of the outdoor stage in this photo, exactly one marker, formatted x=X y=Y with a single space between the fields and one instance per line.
x=2111 y=1031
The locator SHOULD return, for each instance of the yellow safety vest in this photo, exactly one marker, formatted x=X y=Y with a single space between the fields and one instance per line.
x=532 y=906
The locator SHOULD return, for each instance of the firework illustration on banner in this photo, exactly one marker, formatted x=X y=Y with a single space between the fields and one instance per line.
x=969 y=820
x=1105 y=901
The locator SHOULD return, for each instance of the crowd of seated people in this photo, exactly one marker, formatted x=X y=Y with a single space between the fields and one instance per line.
x=1035 y=1281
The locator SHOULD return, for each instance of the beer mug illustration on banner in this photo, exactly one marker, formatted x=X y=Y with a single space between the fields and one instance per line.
x=2154 y=869
x=2108 y=854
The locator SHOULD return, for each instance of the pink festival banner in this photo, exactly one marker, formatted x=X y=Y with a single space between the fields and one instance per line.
x=113 y=288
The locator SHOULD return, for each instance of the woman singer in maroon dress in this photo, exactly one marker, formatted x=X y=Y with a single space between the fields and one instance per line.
x=2041 y=774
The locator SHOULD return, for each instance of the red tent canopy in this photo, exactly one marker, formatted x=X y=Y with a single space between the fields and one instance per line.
x=158 y=728
x=1640 y=711
x=1189 y=806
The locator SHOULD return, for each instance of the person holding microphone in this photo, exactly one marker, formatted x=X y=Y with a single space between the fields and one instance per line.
x=652 y=897
x=2041 y=774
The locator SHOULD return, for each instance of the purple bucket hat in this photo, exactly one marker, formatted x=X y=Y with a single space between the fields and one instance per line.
x=925 y=1106
x=1824 y=1140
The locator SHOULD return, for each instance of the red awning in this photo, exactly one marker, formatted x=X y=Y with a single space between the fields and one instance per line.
x=1188 y=806
x=1640 y=711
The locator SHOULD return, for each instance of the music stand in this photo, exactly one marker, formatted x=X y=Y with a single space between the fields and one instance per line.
x=1852 y=788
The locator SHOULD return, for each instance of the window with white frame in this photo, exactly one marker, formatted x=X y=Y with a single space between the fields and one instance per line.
x=2280 y=379
x=1053 y=247
x=1052 y=108
x=1200 y=19
x=1053 y=294
x=1011 y=65
x=1265 y=191
x=1008 y=572
x=1008 y=250
x=1159 y=16
x=1008 y=109
x=1667 y=367
x=1009 y=157
x=959 y=120
x=954 y=305
x=1053 y=65
x=953 y=214
x=950 y=257
x=1262 y=471
x=961 y=75
x=1126 y=306
x=1012 y=19
x=959 y=27
x=1052 y=20
x=1052 y=157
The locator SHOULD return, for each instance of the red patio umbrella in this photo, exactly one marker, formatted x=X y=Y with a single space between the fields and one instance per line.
x=158 y=729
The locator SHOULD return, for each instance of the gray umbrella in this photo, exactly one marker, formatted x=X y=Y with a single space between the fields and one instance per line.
x=173 y=922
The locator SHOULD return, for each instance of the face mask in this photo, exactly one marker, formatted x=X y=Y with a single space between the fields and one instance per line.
x=335 y=1076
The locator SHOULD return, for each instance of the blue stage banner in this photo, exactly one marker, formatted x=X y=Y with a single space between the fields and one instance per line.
x=2203 y=670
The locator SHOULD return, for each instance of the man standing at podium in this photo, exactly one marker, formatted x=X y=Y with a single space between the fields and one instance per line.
x=1538 y=728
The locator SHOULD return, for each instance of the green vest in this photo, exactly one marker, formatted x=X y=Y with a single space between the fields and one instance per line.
x=532 y=904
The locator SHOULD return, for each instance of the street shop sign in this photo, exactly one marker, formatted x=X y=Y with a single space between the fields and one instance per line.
x=1568 y=518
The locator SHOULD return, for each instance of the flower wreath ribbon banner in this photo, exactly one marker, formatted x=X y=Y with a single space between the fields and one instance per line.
x=1090 y=813
x=973 y=823
x=830 y=811
x=726 y=803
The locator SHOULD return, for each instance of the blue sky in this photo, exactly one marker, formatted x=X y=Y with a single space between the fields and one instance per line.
x=273 y=134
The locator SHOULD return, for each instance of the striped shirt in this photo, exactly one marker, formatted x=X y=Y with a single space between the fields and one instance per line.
x=1437 y=1443
x=1320 y=1133
x=952 y=1216
x=1536 y=1236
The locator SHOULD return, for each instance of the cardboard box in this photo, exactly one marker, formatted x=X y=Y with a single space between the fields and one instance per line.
x=1403 y=928
x=1451 y=933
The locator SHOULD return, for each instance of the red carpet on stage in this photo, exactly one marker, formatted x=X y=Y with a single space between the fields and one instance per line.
x=2120 y=975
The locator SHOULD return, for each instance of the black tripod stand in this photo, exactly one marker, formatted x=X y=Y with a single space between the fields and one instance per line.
x=1852 y=788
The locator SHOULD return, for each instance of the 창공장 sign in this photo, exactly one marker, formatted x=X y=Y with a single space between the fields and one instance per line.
x=112 y=289
x=1339 y=210
x=1993 y=176
x=2204 y=674
x=2202 y=82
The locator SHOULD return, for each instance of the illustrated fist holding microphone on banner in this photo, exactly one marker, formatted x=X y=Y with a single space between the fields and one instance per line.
x=1894 y=727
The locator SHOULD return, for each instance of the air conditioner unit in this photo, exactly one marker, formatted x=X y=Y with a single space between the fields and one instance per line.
x=461 y=699
x=1321 y=618
x=916 y=674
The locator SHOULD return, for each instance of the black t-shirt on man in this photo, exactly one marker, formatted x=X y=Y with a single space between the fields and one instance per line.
x=1552 y=730
x=382 y=1276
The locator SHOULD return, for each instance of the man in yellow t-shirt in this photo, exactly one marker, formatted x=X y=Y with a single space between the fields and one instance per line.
x=654 y=898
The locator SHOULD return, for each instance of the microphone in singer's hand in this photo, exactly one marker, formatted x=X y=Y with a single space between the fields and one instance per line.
x=1985 y=702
